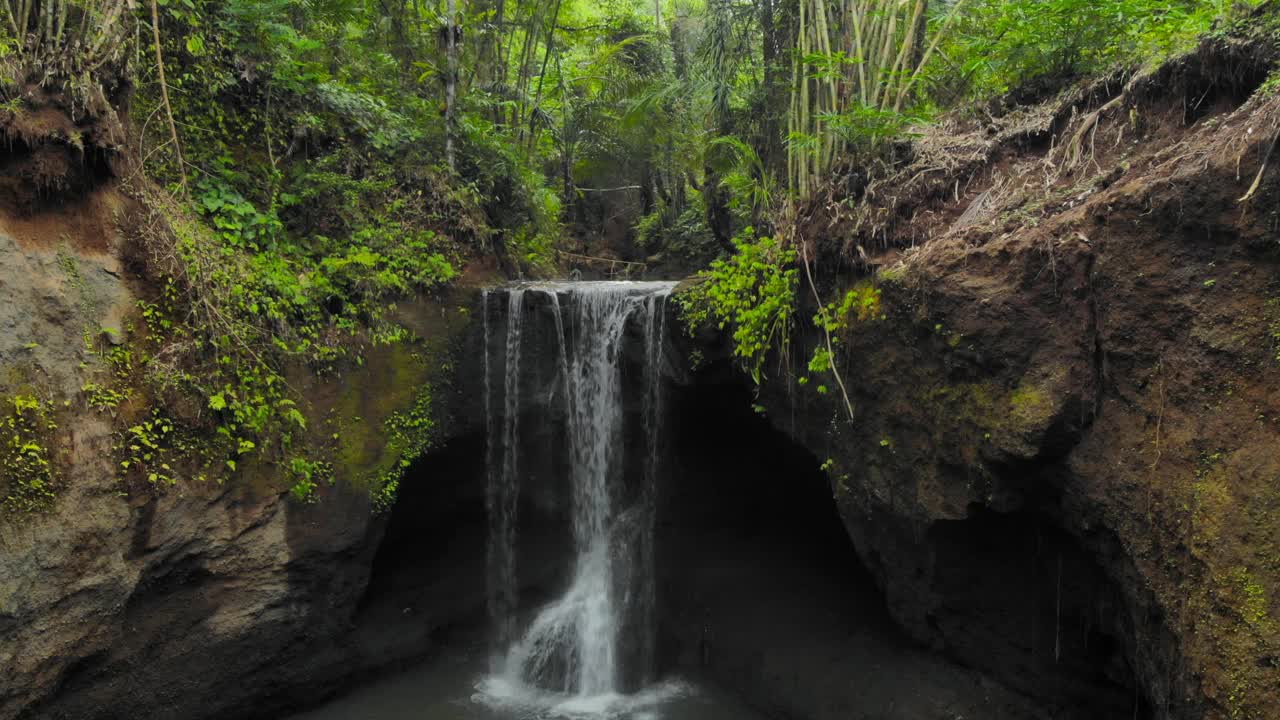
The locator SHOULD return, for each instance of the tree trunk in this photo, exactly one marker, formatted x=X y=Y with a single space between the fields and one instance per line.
x=451 y=83
x=716 y=199
x=774 y=29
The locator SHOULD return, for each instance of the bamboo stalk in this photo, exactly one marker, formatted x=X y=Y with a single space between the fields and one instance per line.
x=451 y=83
x=13 y=21
x=24 y=11
x=884 y=37
x=882 y=61
x=906 y=46
x=933 y=46
x=875 y=30
x=46 y=11
x=504 y=48
x=105 y=27
x=856 y=18
x=61 y=23
x=793 y=118
x=804 y=109
x=86 y=13
x=792 y=130
x=826 y=149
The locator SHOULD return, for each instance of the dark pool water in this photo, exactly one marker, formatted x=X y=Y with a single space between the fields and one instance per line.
x=457 y=688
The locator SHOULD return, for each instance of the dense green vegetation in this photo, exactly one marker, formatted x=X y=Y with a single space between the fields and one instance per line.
x=310 y=164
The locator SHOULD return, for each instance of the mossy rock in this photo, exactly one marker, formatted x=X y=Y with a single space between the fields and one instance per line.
x=393 y=383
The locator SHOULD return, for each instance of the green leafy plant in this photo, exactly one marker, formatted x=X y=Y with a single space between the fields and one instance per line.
x=102 y=398
x=28 y=475
x=1001 y=45
x=306 y=476
x=752 y=294
x=834 y=320
x=860 y=304
x=151 y=449
x=238 y=222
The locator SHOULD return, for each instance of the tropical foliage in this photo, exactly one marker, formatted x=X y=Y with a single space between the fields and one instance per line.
x=310 y=164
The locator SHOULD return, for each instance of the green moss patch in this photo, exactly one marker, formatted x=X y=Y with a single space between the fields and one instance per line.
x=382 y=419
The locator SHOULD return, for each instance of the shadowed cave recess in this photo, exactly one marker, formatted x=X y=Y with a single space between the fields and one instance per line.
x=758 y=590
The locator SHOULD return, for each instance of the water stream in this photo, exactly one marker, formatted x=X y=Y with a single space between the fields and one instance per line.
x=570 y=654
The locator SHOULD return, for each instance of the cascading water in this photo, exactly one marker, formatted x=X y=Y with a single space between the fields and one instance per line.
x=577 y=649
x=502 y=485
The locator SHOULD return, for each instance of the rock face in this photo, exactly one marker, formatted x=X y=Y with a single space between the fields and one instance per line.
x=214 y=601
x=192 y=605
x=1062 y=466
x=102 y=597
x=203 y=599
x=48 y=300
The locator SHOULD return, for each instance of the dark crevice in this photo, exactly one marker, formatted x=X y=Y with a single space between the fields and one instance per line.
x=761 y=587
x=429 y=568
x=43 y=176
x=764 y=591
x=1022 y=599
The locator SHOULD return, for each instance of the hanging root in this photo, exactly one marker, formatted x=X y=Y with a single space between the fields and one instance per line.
x=831 y=350
x=1073 y=151
x=1262 y=171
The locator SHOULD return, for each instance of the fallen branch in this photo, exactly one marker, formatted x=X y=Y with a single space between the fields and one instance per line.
x=605 y=190
x=593 y=258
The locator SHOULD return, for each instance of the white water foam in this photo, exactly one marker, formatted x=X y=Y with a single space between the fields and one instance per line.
x=518 y=700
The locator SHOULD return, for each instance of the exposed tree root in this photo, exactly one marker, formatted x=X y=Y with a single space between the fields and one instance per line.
x=1262 y=171
x=1073 y=150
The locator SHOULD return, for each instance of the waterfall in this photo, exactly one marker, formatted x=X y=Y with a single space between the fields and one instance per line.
x=646 y=600
x=503 y=485
x=602 y=626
